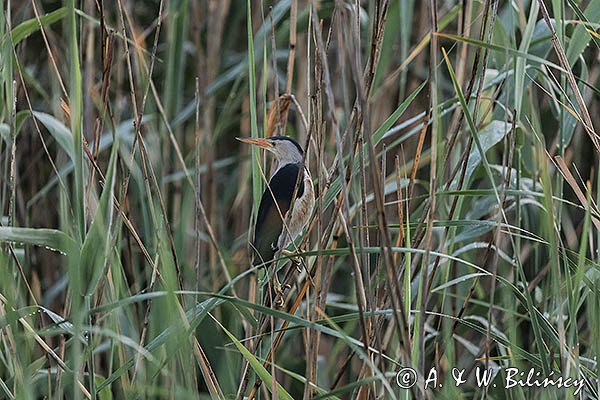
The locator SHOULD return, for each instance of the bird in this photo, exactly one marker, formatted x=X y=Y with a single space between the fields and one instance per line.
x=270 y=234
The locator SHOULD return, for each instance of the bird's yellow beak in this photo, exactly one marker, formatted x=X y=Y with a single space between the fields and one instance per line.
x=260 y=142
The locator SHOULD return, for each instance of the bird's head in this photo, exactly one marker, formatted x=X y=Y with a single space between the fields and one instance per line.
x=285 y=149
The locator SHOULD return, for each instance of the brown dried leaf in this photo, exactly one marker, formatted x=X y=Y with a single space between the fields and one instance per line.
x=277 y=117
x=66 y=110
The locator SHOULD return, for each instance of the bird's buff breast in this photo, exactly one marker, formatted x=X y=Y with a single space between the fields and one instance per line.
x=301 y=212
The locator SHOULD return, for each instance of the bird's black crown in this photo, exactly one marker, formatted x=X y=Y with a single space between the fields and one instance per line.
x=289 y=139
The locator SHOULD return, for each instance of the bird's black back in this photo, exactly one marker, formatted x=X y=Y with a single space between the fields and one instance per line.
x=269 y=222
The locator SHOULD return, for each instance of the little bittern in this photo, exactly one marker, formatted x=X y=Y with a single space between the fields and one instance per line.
x=270 y=234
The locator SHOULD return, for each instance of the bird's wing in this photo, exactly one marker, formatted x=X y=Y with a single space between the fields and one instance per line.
x=269 y=222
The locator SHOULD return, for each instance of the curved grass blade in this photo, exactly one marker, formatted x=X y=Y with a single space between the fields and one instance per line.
x=581 y=36
x=26 y=28
x=256 y=365
x=96 y=249
x=502 y=49
x=51 y=239
x=59 y=132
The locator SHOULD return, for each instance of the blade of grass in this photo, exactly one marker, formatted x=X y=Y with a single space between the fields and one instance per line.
x=51 y=239
x=495 y=47
x=256 y=365
x=29 y=27
x=256 y=176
